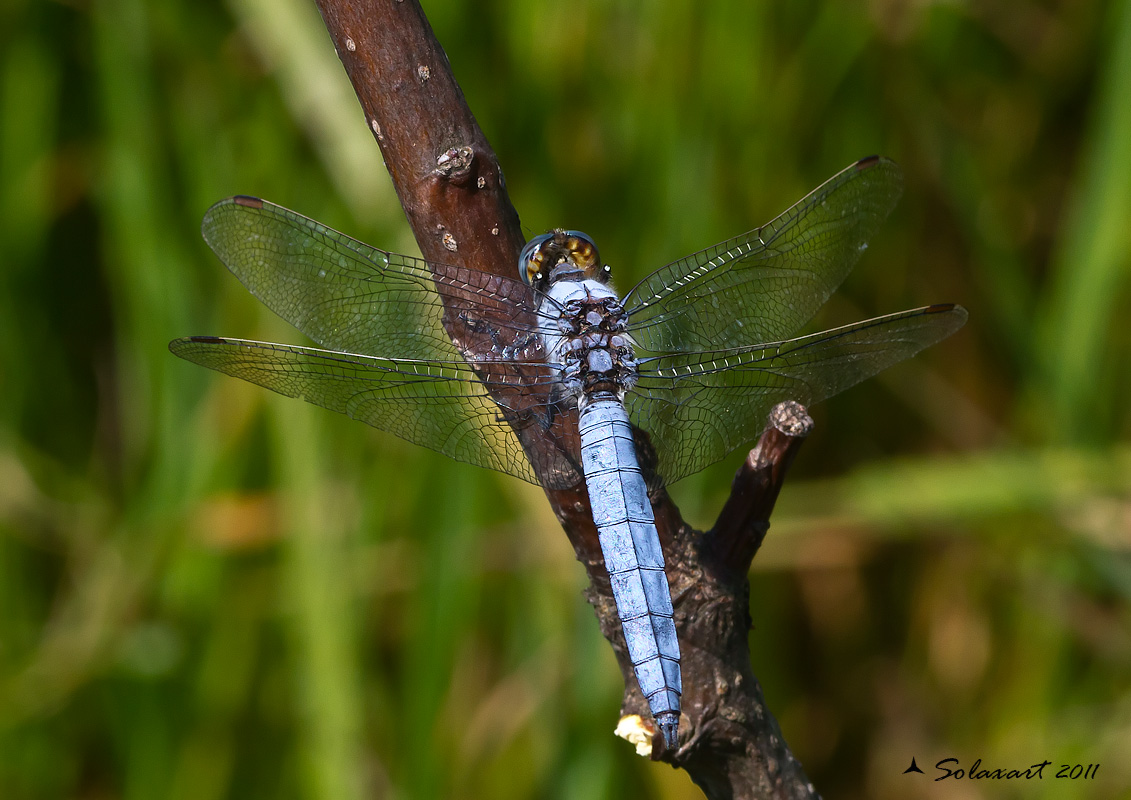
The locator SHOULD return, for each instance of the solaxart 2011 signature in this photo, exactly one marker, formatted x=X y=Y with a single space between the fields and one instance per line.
x=1032 y=772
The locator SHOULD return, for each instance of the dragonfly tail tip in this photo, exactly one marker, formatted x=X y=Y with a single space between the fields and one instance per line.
x=669 y=729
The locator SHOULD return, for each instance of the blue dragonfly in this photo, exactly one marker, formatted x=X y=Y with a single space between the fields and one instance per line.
x=554 y=378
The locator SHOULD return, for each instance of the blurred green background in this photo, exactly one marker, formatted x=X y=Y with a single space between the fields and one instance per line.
x=207 y=591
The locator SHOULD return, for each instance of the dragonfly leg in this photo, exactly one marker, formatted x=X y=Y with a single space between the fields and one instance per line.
x=506 y=351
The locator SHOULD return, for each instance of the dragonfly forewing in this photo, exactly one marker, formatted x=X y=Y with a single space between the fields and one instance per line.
x=349 y=296
x=766 y=284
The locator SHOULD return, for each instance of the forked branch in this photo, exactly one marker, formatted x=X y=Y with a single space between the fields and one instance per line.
x=450 y=185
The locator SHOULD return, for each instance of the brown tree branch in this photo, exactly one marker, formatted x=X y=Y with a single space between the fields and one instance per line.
x=443 y=169
x=452 y=190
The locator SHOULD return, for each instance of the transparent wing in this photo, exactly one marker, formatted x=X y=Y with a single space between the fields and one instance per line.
x=346 y=295
x=696 y=407
x=766 y=284
x=441 y=405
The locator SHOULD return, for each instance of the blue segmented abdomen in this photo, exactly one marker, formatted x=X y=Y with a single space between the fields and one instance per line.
x=633 y=558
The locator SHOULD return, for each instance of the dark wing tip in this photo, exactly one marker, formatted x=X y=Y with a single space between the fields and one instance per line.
x=876 y=161
x=219 y=210
x=953 y=310
x=215 y=218
x=944 y=308
x=178 y=345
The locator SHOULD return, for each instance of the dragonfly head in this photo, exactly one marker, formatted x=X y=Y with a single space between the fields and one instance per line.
x=559 y=255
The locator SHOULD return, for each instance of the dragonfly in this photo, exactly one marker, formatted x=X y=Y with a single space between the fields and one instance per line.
x=554 y=378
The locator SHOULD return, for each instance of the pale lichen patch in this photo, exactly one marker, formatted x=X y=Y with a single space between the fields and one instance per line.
x=636 y=731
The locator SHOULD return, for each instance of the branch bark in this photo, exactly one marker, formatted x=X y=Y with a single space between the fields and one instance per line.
x=452 y=190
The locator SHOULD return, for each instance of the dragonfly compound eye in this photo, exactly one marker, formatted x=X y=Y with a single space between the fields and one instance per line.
x=532 y=258
x=560 y=254
x=582 y=252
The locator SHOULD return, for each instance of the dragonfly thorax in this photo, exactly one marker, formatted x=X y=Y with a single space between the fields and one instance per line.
x=583 y=329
